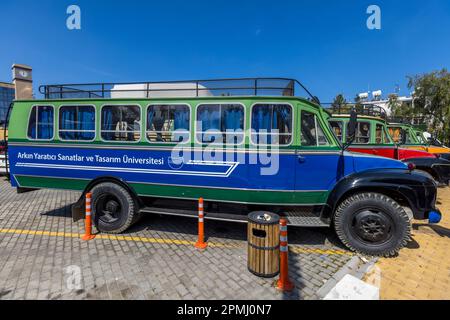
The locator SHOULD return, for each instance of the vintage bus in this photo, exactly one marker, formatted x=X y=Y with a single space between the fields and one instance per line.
x=241 y=144
x=3 y=135
x=415 y=139
x=372 y=137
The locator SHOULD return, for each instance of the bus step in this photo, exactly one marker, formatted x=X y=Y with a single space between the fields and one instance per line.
x=298 y=218
x=310 y=222
x=194 y=214
x=306 y=217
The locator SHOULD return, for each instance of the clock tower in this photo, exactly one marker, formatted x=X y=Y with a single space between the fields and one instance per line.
x=23 y=81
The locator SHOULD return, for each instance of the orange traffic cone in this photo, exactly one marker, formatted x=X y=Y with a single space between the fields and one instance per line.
x=284 y=284
x=201 y=244
x=88 y=222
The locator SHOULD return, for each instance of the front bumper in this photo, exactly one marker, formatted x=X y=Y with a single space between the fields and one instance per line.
x=421 y=196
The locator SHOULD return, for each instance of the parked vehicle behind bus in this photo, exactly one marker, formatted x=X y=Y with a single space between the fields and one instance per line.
x=249 y=144
x=2 y=163
x=2 y=155
x=373 y=137
x=415 y=140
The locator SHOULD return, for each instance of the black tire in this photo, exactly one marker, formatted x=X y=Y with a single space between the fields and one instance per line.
x=113 y=208
x=372 y=224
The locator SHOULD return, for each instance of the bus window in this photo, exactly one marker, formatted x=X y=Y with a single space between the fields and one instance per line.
x=387 y=137
x=312 y=134
x=337 y=127
x=379 y=134
x=395 y=134
x=272 y=124
x=363 y=133
x=77 y=123
x=121 y=123
x=409 y=137
x=220 y=123
x=421 y=138
x=40 y=124
x=168 y=123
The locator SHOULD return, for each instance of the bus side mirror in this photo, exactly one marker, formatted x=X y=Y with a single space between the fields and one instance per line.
x=351 y=129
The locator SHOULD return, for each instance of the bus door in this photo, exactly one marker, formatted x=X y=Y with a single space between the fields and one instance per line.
x=318 y=165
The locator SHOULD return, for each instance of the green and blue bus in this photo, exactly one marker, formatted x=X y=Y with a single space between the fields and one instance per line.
x=241 y=144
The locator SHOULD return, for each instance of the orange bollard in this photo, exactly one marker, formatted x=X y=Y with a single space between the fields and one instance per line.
x=284 y=284
x=88 y=222
x=201 y=244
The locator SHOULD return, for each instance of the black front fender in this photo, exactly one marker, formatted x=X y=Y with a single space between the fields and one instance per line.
x=439 y=168
x=416 y=190
x=445 y=156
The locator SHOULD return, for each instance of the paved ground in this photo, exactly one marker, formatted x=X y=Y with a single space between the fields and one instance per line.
x=421 y=271
x=42 y=257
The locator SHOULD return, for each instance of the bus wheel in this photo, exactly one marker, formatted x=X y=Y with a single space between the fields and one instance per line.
x=372 y=224
x=113 y=208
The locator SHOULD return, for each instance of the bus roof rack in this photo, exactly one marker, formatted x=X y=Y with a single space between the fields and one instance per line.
x=186 y=88
x=413 y=121
x=361 y=108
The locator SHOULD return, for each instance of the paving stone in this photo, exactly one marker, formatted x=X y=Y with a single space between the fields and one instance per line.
x=421 y=271
x=35 y=266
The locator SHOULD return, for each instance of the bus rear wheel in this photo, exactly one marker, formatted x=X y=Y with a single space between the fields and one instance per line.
x=372 y=224
x=113 y=208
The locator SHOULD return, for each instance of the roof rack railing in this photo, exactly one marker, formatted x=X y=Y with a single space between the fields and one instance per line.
x=360 y=108
x=415 y=121
x=184 y=88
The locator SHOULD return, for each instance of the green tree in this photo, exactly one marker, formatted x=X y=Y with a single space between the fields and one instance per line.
x=432 y=100
x=398 y=108
x=339 y=102
x=358 y=102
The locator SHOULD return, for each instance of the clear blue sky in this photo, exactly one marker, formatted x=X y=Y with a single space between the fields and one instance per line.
x=325 y=44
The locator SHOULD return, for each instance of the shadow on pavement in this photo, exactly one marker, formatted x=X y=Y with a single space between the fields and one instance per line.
x=427 y=228
x=216 y=229
x=64 y=212
x=232 y=230
x=413 y=244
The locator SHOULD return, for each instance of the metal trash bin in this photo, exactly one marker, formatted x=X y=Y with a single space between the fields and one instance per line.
x=263 y=237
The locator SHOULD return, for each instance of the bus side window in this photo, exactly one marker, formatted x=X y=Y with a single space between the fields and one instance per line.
x=168 y=123
x=41 y=123
x=409 y=137
x=121 y=123
x=337 y=127
x=272 y=124
x=363 y=133
x=312 y=134
x=77 y=123
x=220 y=124
x=379 y=134
x=395 y=134
x=387 y=137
